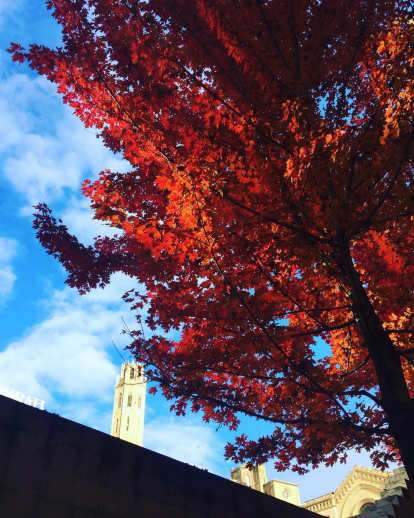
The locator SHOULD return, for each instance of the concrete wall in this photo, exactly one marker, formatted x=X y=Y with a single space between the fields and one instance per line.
x=54 y=468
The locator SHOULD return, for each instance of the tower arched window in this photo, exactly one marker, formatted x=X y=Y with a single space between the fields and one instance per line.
x=116 y=428
x=127 y=424
x=129 y=403
x=120 y=401
x=139 y=402
x=132 y=374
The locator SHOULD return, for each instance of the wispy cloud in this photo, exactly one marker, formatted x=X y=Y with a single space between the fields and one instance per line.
x=184 y=439
x=46 y=151
x=7 y=8
x=89 y=412
x=78 y=217
x=8 y=250
x=67 y=355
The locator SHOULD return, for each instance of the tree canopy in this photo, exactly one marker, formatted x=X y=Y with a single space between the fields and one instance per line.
x=268 y=210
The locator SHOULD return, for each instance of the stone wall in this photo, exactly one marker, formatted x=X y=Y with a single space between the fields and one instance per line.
x=51 y=467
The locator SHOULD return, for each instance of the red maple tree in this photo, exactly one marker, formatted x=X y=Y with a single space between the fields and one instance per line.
x=268 y=210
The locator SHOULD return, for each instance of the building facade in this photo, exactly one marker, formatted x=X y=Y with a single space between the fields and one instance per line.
x=358 y=492
x=129 y=404
x=355 y=496
x=256 y=479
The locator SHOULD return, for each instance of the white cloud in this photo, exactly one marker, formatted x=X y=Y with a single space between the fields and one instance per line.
x=185 y=440
x=67 y=355
x=78 y=217
x=7 y=278
x=7 y=8
x=96 y=416
x=46 y=150
x=8 y=249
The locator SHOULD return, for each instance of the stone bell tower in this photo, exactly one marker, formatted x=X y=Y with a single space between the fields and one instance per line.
x=255 y=478
x=129 y=404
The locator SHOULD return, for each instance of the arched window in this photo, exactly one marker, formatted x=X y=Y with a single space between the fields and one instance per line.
x=129 y=403
x=127 y=426
x=116 y=428
x=120 y=401
x=139 y=402
x=247 y=481
x=132 y=374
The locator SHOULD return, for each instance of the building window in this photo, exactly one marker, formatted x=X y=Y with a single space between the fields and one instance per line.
x=132 y=373
x=129 y=400
x=116 y=429
x=139 y=402
x=247 y=481
x=120 y=401
x=127 y=427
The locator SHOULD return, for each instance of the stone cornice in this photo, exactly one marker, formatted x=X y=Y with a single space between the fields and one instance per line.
x=319 y=503
x=357 y=474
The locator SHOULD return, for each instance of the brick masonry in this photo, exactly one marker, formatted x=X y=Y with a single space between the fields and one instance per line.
x=51 y=467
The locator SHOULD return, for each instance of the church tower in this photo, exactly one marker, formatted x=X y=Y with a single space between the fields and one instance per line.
x=129 y=404
x=255 y=478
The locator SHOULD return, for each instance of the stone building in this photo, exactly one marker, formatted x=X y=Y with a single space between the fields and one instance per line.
x=365 y=492
x=256 y=479
x=355 y=495
x=368 y=493
x=129 y=404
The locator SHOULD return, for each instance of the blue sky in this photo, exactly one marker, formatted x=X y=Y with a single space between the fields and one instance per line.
x=55 y=344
